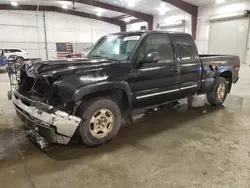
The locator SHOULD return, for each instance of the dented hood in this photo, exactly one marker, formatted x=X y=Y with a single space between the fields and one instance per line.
x=62 y=67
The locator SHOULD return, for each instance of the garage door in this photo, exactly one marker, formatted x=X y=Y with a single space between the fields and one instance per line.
x=229 y=37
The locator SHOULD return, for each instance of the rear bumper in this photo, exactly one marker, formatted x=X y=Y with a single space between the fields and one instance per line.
x=53 y=125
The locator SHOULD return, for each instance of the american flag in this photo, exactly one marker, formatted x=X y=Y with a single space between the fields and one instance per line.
x=63 y=49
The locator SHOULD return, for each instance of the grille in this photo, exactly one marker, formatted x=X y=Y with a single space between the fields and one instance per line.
x=36 y=88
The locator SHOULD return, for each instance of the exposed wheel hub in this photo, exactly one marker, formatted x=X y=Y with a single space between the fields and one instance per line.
x=221 y=91
x=101 y=123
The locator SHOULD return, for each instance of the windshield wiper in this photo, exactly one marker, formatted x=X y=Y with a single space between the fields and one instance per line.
x=102 y=57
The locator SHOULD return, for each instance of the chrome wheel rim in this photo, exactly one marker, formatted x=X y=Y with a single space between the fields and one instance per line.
x=101 y=123
x=221 y=91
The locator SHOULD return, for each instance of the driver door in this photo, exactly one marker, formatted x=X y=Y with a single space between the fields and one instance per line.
x=154 y=83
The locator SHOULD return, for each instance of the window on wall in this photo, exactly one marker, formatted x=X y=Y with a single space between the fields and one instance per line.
x=185 y=47
x=159 y=43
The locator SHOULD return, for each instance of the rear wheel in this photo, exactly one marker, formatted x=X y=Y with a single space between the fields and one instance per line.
x=218 y=94
x=101 y=121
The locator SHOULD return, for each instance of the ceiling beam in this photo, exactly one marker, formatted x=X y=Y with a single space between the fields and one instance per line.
x=120 y=23
x=121 y=17
x=188 y=8
x=142 y=16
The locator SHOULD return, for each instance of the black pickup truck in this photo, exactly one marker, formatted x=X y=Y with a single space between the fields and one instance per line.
x=120 y=73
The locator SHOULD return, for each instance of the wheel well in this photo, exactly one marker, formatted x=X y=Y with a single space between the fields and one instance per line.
x=229 y=77
x=118 y=95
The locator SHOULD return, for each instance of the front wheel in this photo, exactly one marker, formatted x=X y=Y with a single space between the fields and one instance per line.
x=101 y=121
x=218 y=94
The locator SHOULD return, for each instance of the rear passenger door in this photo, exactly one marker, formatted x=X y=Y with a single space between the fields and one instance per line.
x=189 y=62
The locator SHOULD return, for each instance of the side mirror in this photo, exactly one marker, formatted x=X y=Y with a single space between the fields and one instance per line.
x=152 y=57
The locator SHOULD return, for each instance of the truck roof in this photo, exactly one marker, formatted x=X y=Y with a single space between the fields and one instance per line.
x=155 y=31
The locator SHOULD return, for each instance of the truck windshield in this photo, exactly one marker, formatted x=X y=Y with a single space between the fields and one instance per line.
x=114 y=47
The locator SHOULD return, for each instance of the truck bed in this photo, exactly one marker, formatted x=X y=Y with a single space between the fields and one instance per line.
x=219 y=60
x=216 y=63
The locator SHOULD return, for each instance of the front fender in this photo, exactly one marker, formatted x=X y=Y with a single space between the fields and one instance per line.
x=83 y=91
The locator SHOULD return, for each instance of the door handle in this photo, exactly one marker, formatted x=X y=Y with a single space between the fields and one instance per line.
x=175 y=69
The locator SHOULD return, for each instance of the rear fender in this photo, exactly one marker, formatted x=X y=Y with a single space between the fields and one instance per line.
x=222 y=70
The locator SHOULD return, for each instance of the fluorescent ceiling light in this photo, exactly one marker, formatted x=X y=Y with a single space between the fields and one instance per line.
x=163 y=9
x=131 y=4
x=99 y=10
x=127 y=19
x=65 y=2
x=220 y=1
x=162 y=13
x=64 y=6
x=14 y=4
x=99 y=14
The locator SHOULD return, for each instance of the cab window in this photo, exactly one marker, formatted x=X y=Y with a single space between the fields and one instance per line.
x=161 y=44
x=185 y=47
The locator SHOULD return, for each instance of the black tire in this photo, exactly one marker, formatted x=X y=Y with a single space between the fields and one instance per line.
x=87 y=111
x=213 y=97
x=9 y=94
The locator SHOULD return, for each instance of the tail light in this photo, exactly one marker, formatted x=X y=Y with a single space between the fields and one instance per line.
x=237 y=68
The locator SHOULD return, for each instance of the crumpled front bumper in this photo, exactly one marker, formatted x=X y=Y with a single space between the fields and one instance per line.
x=53 y=125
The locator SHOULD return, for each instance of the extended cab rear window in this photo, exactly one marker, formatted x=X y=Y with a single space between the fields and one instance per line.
x=185 y=47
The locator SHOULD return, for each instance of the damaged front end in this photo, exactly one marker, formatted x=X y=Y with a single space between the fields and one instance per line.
x=47 y=119
x=55 y=125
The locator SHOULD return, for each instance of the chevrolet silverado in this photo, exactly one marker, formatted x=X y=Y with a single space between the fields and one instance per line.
x=122 y=72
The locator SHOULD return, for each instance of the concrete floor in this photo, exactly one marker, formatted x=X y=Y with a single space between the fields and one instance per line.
x=192 y=146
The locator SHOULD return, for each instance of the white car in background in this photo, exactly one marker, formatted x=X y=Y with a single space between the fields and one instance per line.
x=21 y=54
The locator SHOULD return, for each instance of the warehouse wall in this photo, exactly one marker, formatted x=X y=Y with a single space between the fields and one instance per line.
x=22 y=30
x=207 y=12
x=25 y=29
x=169 y=17
x=136 y=26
